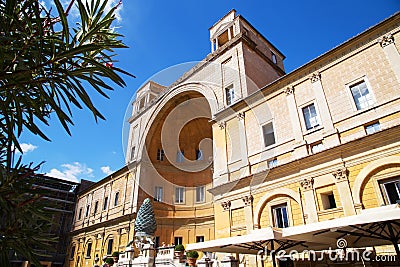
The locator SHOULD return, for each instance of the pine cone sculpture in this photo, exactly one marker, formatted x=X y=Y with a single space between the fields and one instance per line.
x=145 y=219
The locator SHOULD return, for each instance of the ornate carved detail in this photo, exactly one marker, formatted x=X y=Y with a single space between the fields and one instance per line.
x=289 y=90
x=226 y=205
x=247 y=200
x=222 y=125
x=386 y=40
x=315 y=77
x=307 y=183
x=240 y=115
x=340 y=174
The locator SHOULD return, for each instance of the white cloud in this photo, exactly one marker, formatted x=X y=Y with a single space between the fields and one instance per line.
x=72 y=172
x=26 y=148
x=106 y=170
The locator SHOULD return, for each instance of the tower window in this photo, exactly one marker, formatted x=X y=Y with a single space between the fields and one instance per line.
x=230 y=94
x=273 y=57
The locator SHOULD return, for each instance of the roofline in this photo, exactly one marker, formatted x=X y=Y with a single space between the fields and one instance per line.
x=232 y=10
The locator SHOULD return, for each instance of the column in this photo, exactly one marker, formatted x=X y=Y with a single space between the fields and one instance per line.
x=324 y=112
x=243 y=145
x=310 y=207
x=300 y=149
x=391 y=52
x=343 y=187
x=248 y=212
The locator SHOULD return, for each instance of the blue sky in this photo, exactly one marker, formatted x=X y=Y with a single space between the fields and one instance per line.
x=161 y=34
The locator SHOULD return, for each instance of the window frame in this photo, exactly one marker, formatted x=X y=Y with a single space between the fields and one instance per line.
x=72 y=252
x=372 y=124
x=272 y=163
x=319 y=145
x=303 y=119
x=203 y=194
x=183 y=195
x=116 y=199
x=80 y=213
x=160 y=154
x=105 y=203
x=385 y=194
x=157 y=198
x=231 y=89
x=350 y=94
x=180 y=156
x=88 y=252
x=326 y=200
x=96 y=207
x=273 y=217
x=109 y=253
x=263 y=135
x=87 y=211
x=180 y=238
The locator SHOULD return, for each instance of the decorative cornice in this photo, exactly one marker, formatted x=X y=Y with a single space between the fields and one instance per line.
x=386 y=40
x=315 y=77
x=240 y=115
x=289 y=90
x=340 y=174
x=307 y=183
x=247 y=200
x=222 y=125
x=226 y=205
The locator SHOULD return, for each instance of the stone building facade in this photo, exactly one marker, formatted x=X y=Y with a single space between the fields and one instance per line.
x=237 y=144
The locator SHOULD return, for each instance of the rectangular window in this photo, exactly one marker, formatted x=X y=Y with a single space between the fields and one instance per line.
x=272 y=163
x=116 y=199
x=158 y=194
x=88 y=250
x=310 y=117
x=317 y=147
x=87 y=210
x=133 y=152
x=230 y=94
x=72 y=253
x=268 y=133
x=110 y=246
x=96 y=205
x=328 y=201
x=280 y=216
x=199 y=239
x=200 y=190
x=180 y=156
x=160 y=154
x=178 y=240
x=361 y=95
x=199 y=154
x=273 y=57
x=105 y=204
x=392 y=191
x=179 y=194
x=80 y=214
x=372 y=128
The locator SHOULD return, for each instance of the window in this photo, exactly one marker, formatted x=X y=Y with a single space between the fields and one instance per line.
x=199 y=154
x=200 y=193
x=310 y=117
x=158 y=195
x=280 y=216
x=177 y=240
x=179 y=194
x=372 y=128
x=328 y=201
x=87 y=210
x=180 y=156
x=268 y=133
x=392 y=191
x=116 y=199
x=88 y=250
x=160 y=154
x=142 y=103
x=361 y=95
x=273 y=57
x=230 y=94
x=272 y=163
x=96 y=205
x=133 y=152
x=199 y=239
x=72 y=253
x=80 y=214
x=317 y=147
x=110 y=246
x=105 y=203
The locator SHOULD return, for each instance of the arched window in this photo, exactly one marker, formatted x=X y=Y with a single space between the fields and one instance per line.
x=88 y=249
x=110 y=246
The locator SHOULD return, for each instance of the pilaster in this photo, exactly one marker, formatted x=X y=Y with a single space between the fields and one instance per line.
x=392 y=54
x=310 y=207
x=343 y=187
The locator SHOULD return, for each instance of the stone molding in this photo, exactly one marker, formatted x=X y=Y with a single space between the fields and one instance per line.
x=315 y=77
x=307 y=183
x=222 y=125
x=289 y=90
x=247 y=200
x=340 y=174
x=226 y=205
x=386 y=40
x=240 y=115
